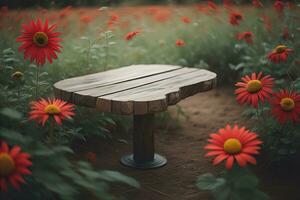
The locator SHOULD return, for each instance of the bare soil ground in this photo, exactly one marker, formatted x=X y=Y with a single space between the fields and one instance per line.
x=183 y=148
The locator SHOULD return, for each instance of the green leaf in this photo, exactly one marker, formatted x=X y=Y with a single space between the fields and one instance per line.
x=13 y=136
x=248 y=194
x=222 y=192
x=209 y=182
x=113 y=176
x=10 y=113
x=246 y=181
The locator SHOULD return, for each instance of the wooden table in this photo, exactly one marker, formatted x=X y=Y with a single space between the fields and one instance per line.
x=141 y=91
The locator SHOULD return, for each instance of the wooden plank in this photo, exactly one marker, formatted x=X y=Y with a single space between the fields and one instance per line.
x=89 y=97
x=112 y=77
x=157 y=96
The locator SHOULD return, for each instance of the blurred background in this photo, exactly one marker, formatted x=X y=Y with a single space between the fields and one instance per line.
x=62 y=3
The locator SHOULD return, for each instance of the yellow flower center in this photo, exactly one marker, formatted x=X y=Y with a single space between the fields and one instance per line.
x=280 y=48
x=253 y=86
x=232 y=146
x=7 y=165
x=287 y=104
x=17 y=75
x=52 y=109
x=40 y=39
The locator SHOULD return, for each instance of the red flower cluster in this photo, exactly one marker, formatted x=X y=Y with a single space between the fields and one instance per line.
x=285 y=105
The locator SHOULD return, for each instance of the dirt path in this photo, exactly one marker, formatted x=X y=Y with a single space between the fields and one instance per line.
x=184 y=150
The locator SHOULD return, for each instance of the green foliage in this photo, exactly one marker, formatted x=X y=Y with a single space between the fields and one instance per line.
x=53 y=169
x=235 y=184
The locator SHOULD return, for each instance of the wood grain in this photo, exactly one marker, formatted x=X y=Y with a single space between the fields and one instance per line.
x=137 y=89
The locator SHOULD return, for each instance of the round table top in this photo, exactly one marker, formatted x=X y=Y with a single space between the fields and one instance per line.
x=135 y=89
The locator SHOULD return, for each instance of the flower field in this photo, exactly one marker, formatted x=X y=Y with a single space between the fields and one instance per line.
x=47 y=145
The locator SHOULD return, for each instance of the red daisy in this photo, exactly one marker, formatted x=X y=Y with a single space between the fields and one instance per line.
x=247 y=36
x=279 y=54
x=286 y=106
x=254 y=88
x=13 y=164
x=131 y=35
x=180 y=43
x=232 y=144
x=257 y=3
x=39 y=42
x=235 y=18
x=57 y=109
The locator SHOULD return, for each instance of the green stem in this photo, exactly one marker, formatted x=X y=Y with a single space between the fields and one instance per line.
x=89 y=55
x=51 y=131
x=19 y=91
x=106 y=51
x=37 y=81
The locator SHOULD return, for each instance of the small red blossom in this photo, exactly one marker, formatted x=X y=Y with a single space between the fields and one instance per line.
x=86 y=19
x=278 y=6
x=254 y=88
x=186 y=20
x=162 y=15
x=113 y=19
x=131 y=35
x=286 y=106
x=235 y=18
x=212 y=5
x=279 y=54
x=180 y=43
x=247 y=36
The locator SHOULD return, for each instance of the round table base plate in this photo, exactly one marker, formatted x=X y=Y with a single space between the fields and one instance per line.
x=157 y=162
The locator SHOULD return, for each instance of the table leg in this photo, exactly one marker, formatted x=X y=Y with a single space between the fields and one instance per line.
x=143 y=156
